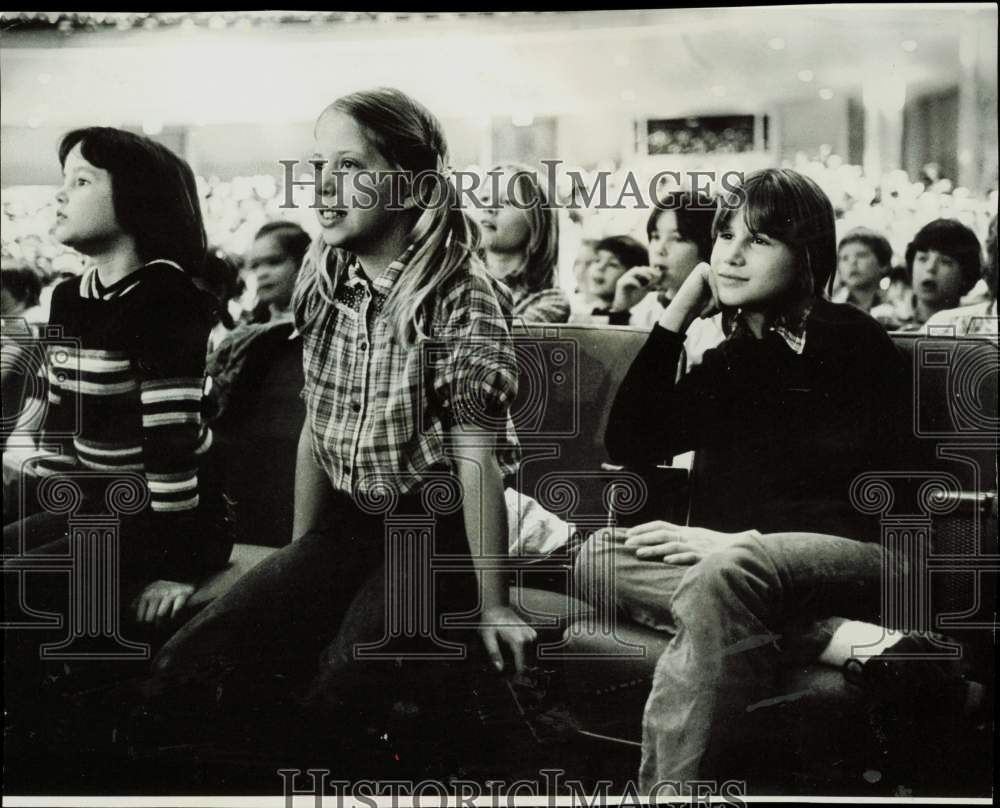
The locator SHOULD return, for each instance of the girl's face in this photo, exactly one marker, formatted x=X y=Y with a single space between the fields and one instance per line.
x=937 y=279
x=274 y=269
x=859 y=268
x=354 y=215
x=671 y=253
x=504 y=226
x=602 y=275
x=752 y=270
x=85 y=216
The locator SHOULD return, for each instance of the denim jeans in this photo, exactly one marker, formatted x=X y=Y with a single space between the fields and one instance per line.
x=733 y=617
x=305 y=608
x=26 y=591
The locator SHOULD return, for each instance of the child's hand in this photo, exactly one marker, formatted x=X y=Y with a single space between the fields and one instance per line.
x=633 y=286
x=675 y=544
x=502 y=624
x=700 y=288
x=160 y=599
x=696 y=298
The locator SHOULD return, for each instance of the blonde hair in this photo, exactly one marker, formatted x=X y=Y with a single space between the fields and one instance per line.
x=541 y=253
x=443 y=239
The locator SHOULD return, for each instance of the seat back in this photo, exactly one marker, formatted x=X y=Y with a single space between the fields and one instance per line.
x=568 y=378
x=955 y=413
x=257 y=448
x=955 y=403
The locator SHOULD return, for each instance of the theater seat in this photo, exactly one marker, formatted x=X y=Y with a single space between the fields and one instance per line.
x=569 y=375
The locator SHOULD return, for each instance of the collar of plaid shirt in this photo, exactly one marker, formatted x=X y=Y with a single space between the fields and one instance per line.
x=386 y=280
x=791 y=327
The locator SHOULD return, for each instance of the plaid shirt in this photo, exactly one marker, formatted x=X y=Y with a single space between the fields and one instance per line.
x=790 y=327
x=543 y=306
x=378 y=411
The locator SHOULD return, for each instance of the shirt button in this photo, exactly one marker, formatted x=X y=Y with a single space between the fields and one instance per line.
x=355 y=406
x=363 y=346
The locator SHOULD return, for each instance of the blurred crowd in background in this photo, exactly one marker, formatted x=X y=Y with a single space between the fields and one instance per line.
x=893 y=113
x=894 y=205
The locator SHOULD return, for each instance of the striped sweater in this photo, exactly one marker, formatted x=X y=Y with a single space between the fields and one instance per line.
x=125 y=383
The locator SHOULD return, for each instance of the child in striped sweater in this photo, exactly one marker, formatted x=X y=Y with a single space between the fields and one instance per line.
x=125 y=377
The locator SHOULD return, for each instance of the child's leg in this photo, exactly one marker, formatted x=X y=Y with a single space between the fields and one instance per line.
x=33 y=532
x=277 y=617
x=400 y=611
x=49 y=592
x=731 y=610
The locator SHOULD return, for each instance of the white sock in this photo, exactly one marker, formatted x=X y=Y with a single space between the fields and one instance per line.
x=852 y=638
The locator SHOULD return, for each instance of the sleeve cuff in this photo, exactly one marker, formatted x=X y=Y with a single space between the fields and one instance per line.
x=665 y=337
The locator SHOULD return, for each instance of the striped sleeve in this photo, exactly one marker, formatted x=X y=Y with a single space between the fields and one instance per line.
x=174 y=435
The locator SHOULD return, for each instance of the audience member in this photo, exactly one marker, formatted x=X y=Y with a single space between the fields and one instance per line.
x=944 y=263
x=977 y=318
x=130 y=393
x=802 y=396
x=864 y=259
x=274 y=258
x=614 y=256
x=520 y=238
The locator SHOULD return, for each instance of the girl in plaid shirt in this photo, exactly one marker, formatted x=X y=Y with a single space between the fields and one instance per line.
x=409 y=375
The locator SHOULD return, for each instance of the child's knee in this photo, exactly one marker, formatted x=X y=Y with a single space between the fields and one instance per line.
x=594 y=569
x=742 y=572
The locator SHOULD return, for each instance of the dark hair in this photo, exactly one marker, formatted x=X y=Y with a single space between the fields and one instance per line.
x=954 y=239
x=23 y=283
x=626 y=249
x=792 y=208
x=695 y=214
x=220 y=278
x=221 y=274
x=876 y=242
x=153 y=191
x=293 y=239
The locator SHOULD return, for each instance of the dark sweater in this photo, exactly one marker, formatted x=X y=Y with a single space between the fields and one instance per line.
x=779 y=436
x=125 y=395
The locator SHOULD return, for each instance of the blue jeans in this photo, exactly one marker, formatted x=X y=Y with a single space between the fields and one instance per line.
x=303 y=610
x=733 y=616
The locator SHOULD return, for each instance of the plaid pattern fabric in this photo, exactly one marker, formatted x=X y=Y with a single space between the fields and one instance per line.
x=544 y=306
x=378 y=411
x=791 y=328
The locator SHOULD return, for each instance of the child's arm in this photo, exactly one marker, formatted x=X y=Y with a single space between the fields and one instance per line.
x=312 y=489
x=485 y=513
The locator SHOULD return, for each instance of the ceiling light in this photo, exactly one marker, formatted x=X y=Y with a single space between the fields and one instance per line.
x=777 y=43
x=909 y=45
x=805 y=75
x=826 y=93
